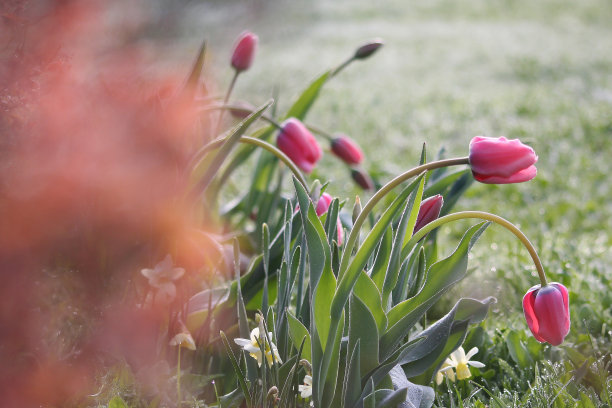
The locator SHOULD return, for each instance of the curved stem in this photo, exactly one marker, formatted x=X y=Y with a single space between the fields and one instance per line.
x=489 y=217
x=215 y=144
x=384 y=190
x=340 y=67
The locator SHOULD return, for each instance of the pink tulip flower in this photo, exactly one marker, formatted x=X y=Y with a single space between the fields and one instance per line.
x=322 y=207
x=347 y=150
x=244 y=51
x=296 y=141
x=547 y=312
x=501 y=161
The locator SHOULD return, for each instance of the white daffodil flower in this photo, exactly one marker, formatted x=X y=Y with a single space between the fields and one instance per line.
x=252 y=346
x=445 y=371
x=162 y=278
x=460 y=361
x=306 y=389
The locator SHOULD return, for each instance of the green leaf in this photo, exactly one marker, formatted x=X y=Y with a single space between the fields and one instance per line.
x=402 y=234
x=366 y=290
x=351 y=389
x=319 y=253
x=440 y=277
x=331 y=372
x=440 y=185
x=191 y=84
x=322 y=298
x=300 y=107
x=298 y=333
x=233 y=136
x=517 y=350
x=243 y=323
x=390 y=398
x=362 y=327
x=363 y=253
x=239 y=374
x=383 y=255
x=116 y=402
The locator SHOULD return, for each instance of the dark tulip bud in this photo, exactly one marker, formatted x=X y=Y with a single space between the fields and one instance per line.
x=362 y=179
x=368 y=49
x=428 y=211
x=241 y=109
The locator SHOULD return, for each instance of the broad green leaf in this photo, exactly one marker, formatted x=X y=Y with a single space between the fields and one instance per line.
x=198 y=306
x=440 y=277
x=363 y=253
x=322 y=298
x=331 y=369
x=444 y=336
x=319 y=253
x=389 y=398
x=298 y=333
x=362 y=327
x=403 y=232
x=266 y=264
x=351 y=389
x=366 y=290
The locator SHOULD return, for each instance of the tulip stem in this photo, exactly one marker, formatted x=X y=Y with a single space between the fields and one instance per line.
x=384 y=190
x=489 y=217
x=227 y=96
x=340 y=67
x=215 y=144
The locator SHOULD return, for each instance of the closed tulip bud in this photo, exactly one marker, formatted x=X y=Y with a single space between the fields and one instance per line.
x=244 y=51
x=547 y=312
x=296 y=141
x=368 y=49
x=323 y=204
x=428 y=211
x=362 y=179
x=356 y=208
x=241 y=109
x=347 y=150
x=501 y=161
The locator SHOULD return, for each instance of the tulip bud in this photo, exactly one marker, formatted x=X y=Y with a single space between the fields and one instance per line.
x=241 y=109
x=244 y=51
x=368 y=49
x=547 y=312
x=501 y=161
x=323 y=204
x=362 y=179
x=428 y=211
x=347 y=150
x=296 y=141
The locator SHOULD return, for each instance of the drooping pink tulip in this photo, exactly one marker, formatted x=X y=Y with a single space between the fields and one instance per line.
x=428 y=211
x=547 y=312
x=347 y=150
x=501 y=161
x=244 y=51
x=296 y=141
